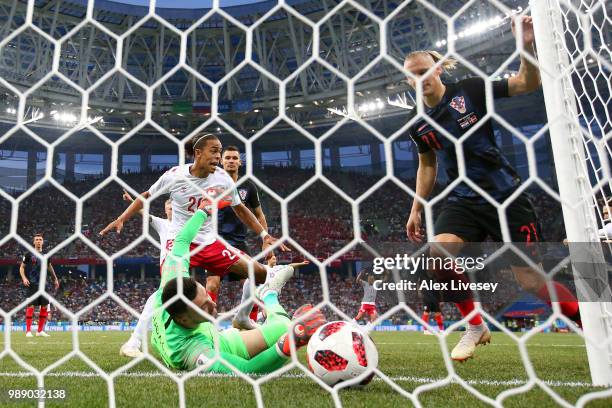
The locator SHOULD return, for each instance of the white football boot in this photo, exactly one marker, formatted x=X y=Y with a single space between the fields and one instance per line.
x=276 y=279
x=473 y=336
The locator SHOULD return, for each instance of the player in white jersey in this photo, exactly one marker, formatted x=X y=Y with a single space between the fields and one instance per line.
x=188 y=185
x=604 y=233
x=131 y=348
x=368 y=302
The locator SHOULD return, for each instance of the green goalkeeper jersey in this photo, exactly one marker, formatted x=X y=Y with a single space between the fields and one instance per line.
x=177 y=346
x=185 y=349
x=180 y=347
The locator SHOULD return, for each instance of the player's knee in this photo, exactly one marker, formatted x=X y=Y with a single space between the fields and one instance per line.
x=445 y=245
x=529 y=279
x=260 y=272
x=212 y=285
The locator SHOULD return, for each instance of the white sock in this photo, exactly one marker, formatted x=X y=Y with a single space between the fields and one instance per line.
x=145 y=316
x=243 y=312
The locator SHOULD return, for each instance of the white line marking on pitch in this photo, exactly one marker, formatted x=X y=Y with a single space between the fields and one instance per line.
x=67 y=343
x=421 y=380
x=386 y=343
x=490 y=344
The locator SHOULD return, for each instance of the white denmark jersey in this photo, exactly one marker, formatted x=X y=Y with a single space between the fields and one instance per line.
x=369 y=293
x=186 y=191
x=162 y=226
x=606 y=232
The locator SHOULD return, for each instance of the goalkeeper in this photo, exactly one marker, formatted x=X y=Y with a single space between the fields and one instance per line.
x=185 y=339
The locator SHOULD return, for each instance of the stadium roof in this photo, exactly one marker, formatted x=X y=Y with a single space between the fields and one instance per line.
x=188 y=4
x=248 y=99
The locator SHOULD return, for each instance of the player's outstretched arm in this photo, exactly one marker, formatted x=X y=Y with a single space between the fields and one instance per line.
x=359 y=277
x=129 y=212
x=426 y=179
x=261 y=217
x=528 y=77
x=189 y=231
x=296 y=265
x=55 y=280
x=128 y=197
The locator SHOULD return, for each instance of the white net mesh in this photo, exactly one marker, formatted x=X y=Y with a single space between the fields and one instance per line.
x=84 y=58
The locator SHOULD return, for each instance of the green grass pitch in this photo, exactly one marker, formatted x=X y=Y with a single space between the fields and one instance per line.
x=410 y=359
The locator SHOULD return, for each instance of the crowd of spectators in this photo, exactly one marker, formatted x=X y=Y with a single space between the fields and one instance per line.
x=319 y=219
x=77 y=292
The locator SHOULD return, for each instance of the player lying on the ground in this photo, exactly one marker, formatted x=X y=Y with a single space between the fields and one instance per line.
x=466 y=216
x=185 y=339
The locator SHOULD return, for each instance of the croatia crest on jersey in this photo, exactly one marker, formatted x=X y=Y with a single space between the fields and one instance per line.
x=243 y=193
x=458 y=104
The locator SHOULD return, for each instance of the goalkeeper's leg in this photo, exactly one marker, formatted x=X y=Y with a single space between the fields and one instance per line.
x=257 y=340
x=267 y=349
x=256 y=351
x=274 y=330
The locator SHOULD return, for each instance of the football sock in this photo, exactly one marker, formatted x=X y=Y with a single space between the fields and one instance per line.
x=29 y=314
x=268 y=360
x=567 y=301
x=147 y=313
x=277 y=320
x=270 y=299
x=254 y=311
x=42 y=318
x=213 y=296
x=425 y=317
x=440 y=321
x=246 y=305
x=462 y=298
x=465 y=307
x=449 y=277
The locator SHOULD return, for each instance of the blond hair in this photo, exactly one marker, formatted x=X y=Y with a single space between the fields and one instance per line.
x=448 y=64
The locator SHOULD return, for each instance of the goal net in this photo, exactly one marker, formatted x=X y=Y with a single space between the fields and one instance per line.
x=579 y=70
x=327 y=75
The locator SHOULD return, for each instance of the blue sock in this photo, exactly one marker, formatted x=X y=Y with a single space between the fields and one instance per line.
x=271 y=299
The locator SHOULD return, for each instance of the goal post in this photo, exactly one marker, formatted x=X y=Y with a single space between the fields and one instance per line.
x=577 y=200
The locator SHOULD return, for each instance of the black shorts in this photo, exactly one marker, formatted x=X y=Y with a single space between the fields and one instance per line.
x=431 y=301
x=240 y=246
x=39 y=300
x=474 y=222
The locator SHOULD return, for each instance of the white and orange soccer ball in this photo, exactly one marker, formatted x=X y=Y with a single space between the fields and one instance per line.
x=340 y=351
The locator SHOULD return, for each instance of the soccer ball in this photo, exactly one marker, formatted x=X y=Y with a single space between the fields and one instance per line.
x=340 y=351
